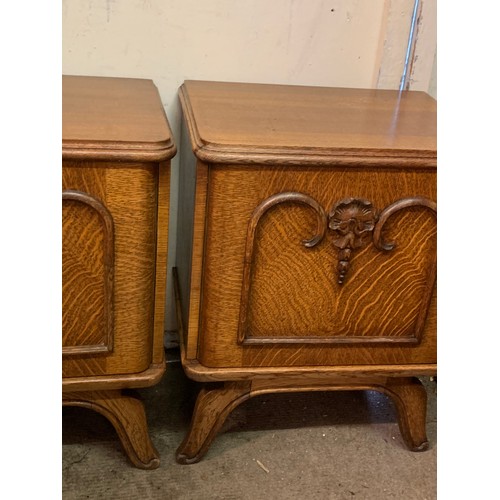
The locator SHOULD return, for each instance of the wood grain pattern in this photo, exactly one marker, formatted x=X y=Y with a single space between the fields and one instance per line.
x=258 y=213
x=247 y=124
x=395 y=207
x=151 y=376
x=114 y=119
x=307 y=301
x=88 y=266
x=162 y=220
x=126 y=414
x=193 y=186
x=201 y=373
x=199 y=228
x=129 y=194
x=286 y=267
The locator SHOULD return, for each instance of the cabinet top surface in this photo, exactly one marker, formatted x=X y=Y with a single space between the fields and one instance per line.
x=114 y=117
x=316 y=123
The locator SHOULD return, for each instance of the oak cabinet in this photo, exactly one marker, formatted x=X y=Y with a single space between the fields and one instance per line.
x=306 y=254
x=116 y=152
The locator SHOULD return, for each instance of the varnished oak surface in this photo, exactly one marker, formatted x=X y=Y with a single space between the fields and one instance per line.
x=88 y=264
x=121 y=118
x=126 y=414
x=116 y=185
x=129 y=193
x=201 y=373
x=307 y=244
x=215 y=402
x=249 y=123
x=293 y=289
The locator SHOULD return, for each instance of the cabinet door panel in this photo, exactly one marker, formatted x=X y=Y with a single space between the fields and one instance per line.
x=298 y=291
x=88 y=265
x=109 y=280
x=271 y=294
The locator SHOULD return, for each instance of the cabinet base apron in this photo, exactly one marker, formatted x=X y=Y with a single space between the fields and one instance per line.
x=126 y=413
x=227 y=388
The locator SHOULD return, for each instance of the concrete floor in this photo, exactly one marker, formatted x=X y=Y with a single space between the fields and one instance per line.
x=328 y=445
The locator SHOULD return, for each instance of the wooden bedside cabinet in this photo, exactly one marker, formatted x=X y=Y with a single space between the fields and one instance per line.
x=306 y=252
x=116 y=152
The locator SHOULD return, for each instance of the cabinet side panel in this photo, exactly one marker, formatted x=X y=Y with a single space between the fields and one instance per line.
x=193 y=178
x=161 y=260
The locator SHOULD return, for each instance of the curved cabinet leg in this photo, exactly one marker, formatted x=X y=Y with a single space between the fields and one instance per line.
x=410 y=398
x=213 y=405
x=126 y=414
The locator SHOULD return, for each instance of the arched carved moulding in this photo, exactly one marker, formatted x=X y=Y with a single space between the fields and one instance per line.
x=287 y=197
x=353 y=222
x=381 y=245
x=391 y=210
x=108 y=263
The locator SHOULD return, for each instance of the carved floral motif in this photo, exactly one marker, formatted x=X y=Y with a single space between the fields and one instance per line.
x=352 y=220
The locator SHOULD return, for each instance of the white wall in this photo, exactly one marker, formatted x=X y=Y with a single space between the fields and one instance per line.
x=347 y=43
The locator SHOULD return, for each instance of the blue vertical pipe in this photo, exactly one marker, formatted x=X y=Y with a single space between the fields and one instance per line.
x=410 y=44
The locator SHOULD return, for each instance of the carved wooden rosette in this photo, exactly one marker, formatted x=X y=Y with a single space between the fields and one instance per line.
x=352 y=220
